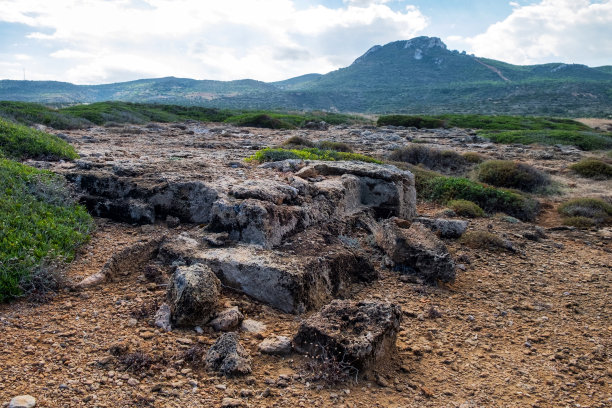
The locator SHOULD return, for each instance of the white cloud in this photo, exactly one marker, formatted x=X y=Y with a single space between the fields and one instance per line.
x=217 y=39
x=573 y=31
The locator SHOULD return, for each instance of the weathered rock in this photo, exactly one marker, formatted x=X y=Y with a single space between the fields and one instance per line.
x=252 y=326
x=172 y=222
x=163 y=317
x=360 y=333
x=278 y=345
x=284 y=165
x=193 y=295
x=443 y=227
x=416 y=250
x=228 y=357
x=265 y=190
x=227 y=319
x=232 y=403
x=22 y=401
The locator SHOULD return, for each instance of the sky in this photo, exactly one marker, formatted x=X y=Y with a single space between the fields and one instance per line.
x=104 y=41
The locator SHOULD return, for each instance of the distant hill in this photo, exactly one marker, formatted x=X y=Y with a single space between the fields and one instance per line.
x=416 y=76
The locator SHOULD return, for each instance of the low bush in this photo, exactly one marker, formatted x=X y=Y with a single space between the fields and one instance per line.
x=420 y=122
x=434 y=159
x=585 y=140
x=510 y=174
x=298 y=141
x=260 y=120
x=21 y=142
x=337 y=146
x=593 y=168
x=484 y=240
x=473 y=157
x=270 y=154
x=465 y=208
x=594 y=209
x=579 y=222
x=38 y=225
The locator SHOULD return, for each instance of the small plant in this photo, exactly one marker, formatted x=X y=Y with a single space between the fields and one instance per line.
x=577 y=210
x=579 y=222
x=298 y=141
x=465 y=208
x=484 y=240
x=337 y=146
x=473 y=157
x=270 y=154
x=325 y=367
x=195 y=356
x=45 y=281
x=510 y=174
x=593 y=168
x=441 y=160
x=136 y=362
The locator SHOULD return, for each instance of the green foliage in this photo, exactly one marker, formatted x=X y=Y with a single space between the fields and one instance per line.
x=510 y=174
x=579 y=222
x=337 y=146
x=38 y=222
x=593 y=168
x=582 y=139
x=492 y=200
x=473 y=157
x=419 y=122
x=263 y=120
x=277 y=120
x=32 y=113
x=441 y=160
x=466 y=208
x=269 y=154
x=298 y=141
x=20 y=142
x=483 y=240
x=595 y=209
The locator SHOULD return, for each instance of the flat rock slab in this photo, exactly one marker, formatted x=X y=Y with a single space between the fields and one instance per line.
x=361 y=334
x=22 y=401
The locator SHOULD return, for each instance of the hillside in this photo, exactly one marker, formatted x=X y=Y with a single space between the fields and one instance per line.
x=414 y=76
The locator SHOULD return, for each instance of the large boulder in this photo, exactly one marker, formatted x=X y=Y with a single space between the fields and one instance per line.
x=415 y=250
x=228 y=357
x=193 y=295
x=361 y=334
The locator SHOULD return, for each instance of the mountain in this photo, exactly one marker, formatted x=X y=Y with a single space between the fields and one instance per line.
x=415 y=76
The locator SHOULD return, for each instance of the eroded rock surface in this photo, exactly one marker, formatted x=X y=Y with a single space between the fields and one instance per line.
x=193 y=295
x=228 y=357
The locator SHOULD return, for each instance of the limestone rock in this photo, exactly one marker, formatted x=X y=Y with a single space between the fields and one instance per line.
x=278 y=345
x=361 y=333
x=227 y=319
x=228 y=357
x=252 y=326
x=193 y=294
x=22 y=401
x=163 y=317
x=443 y=227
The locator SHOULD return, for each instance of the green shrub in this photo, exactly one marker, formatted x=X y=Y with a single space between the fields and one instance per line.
x=21 y=142
x=419 y=122
x=473 y=157
x=270 y=154
x=510 y=174
x=38 y=223
x=585 y=140
x=593 y=168
x=484 y=240
x=298 y=141
x=337 y=146
x=33 y=113
x=595 y=209
x=440 y=160
x=466 y=208
x=492 y=200
x=260 y=120
x=579 y=222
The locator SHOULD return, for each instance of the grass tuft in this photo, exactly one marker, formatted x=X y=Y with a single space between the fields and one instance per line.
x=593 y=168
x=270 y=154
x=465 y=208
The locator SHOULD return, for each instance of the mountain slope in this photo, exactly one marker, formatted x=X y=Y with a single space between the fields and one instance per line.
x=415 y=76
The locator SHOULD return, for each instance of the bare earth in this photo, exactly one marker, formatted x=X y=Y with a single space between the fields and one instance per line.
x=525 y=329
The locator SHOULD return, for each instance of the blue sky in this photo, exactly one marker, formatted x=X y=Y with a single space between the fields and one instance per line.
x=101 y=41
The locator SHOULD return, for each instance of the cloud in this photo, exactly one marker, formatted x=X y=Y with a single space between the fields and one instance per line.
x=217 y=39
x=573 y=31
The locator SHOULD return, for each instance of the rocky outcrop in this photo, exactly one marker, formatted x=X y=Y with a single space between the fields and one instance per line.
x=193 y=295
x=361 y=334
x=228 y=357
x=443 y=227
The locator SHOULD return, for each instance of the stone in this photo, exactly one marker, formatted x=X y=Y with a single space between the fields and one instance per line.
x=172 y=222
x=362 y=334
x=227 y=319
x=289 y=165
x=277 y=345
x=415 y=250
x=163 y=317
x=252 y=326
x=443 y=227
x=193 y=295
x=228 y=357
x=22 y=401
x=232 y=403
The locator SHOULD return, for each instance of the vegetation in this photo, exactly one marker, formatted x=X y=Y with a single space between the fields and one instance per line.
x=276 y=120
x=585 y=212
x=484 y=240
x=473 y=157
x=298 y=142
x=419 y=122
x=441 y=160
x=466 y=208
x=510 y=174
x=585 y=140
x=38 y=223
x=593 y=168
x=33 y=113
x=18 y=141
x=270 y=154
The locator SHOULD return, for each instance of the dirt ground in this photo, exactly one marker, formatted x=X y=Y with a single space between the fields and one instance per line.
x=530 y=328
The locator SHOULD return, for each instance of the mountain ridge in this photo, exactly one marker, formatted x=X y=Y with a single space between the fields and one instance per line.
x=409 y=76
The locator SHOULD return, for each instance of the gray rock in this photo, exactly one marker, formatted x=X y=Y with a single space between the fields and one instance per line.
x=162 y=317
x=172 y=222
x=277 y=345
x=228 y=357
x=22 y=401
x=415 y=250
x=443 y=227
x=362 y=334
x=252 y=326
x=227 y=319
x=232 y=403
x=285 y=166
x=193 y=295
